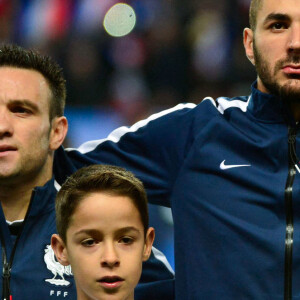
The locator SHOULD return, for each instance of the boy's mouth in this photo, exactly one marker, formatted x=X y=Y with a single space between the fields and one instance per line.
x=111 y=282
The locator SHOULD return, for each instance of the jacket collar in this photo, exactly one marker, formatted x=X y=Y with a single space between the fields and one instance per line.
x=43 y=199
x=269 y=108
x=42 y=202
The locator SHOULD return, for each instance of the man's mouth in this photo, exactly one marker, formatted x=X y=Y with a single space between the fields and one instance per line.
x=291 y=69
x=7 y=148
x=111 y=282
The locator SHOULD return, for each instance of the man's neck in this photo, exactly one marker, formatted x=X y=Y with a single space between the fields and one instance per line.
x=295 y=109
x=15 y=197
x=15 y=204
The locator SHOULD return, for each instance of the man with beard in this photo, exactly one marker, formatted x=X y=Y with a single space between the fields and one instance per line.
x=229 y=170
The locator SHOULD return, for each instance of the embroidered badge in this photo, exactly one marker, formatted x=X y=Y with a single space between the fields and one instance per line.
x=56 y=268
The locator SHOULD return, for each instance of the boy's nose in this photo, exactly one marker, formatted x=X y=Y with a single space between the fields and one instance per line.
x=109 y=257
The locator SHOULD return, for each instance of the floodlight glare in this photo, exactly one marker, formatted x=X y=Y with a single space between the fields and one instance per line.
x=119 y=20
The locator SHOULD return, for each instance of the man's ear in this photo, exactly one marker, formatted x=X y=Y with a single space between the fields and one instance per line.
x=59 y=249
x=150 y=235
x=59 y=129
x=248 y=44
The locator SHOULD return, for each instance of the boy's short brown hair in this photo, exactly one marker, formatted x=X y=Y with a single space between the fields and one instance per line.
x=98 y=178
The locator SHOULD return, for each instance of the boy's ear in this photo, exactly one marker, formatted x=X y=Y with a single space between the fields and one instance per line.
x=59 y=249
x=150 y=235
x=59 y=129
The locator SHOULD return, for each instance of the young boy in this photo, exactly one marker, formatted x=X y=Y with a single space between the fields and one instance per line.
x=102 y=224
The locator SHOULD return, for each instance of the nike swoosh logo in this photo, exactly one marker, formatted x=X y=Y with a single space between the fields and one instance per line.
x=225 y=167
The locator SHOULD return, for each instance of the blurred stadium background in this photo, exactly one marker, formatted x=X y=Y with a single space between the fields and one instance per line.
x=178 y=51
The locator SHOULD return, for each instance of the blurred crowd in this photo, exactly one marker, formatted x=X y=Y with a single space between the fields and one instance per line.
x=179 y=51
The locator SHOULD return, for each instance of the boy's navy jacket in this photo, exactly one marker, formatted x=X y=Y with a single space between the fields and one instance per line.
x=226 y=168
x=35 y=273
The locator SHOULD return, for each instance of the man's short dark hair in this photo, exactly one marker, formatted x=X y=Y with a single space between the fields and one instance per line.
x=18 y=57
x=93 y=179
x=255 y=6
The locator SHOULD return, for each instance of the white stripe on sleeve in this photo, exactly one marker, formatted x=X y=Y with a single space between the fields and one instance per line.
x=116 y=135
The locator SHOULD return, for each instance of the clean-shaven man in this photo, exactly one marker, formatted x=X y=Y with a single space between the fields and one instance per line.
x=32 y=128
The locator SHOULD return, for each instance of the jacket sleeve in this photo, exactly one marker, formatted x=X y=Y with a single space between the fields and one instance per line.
x=153 y=149
x=157 y=280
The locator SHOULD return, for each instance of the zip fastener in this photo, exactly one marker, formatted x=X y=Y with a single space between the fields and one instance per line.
x=6 y=270
x=289 y=235
x=6 y=274
x=6 y=287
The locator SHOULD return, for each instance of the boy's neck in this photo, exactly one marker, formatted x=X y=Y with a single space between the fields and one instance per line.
x=83 y=296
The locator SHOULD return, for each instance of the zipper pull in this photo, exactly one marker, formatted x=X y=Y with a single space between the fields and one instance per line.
x=6 y=277
x=297 y=168
x=292 y=141
x=292 y=145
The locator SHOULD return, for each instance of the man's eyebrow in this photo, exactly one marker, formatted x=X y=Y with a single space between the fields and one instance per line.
x=24 y=102
x=277 y=17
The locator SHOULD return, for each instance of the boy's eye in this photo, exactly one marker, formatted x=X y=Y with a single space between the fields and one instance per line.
x=88 y=242
x=126 y=240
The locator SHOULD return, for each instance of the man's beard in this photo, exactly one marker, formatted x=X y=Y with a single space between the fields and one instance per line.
x=288 y=92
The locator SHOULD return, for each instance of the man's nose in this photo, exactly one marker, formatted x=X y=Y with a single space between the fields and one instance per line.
x=109 y=256
x=294 y=41
x=6 y=126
